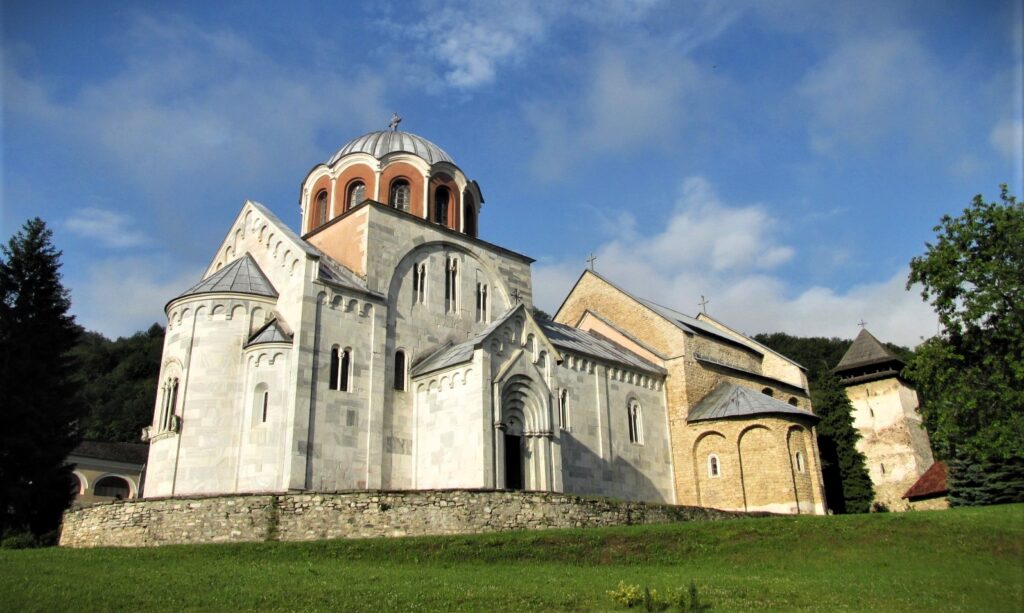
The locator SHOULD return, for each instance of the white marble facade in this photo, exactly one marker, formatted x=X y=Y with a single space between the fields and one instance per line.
x=488 y=397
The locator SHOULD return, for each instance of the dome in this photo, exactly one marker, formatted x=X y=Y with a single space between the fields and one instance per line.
x=380 y=144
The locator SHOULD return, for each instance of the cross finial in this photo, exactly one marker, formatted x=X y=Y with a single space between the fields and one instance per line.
x=395 y=120
x=703 y=304
x=591 y=260
x=862 y=323
x=516 y=295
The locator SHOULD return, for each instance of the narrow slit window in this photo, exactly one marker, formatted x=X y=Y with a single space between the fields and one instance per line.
x=799 y=462
x=266 y=403
x=345 y=371
x=451 y=285
x=563 y=409
x=442 y=197
x=419 y=283
x=635 y=420
x=321 y=207
x=481 y=302
x=714 y=469
x=335 y=366
x=400 y=370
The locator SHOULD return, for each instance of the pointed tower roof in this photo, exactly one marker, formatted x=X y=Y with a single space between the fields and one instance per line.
x=242 y=276
x=866 y=350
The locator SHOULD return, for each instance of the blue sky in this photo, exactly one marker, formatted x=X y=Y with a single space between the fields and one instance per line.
x=784 y=159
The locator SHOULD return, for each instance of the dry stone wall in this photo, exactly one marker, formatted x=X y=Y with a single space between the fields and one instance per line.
x=363 y=514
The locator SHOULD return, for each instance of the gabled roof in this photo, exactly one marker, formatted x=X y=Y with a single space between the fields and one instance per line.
x=587 y=343
x=729 y=400
x=241 y=276
x=284 y=228
x=271 y=332
x=129 y=453
x=865 y=351
x=931 y=483
x=334 y=272
x=451 y=354
x=693 y=325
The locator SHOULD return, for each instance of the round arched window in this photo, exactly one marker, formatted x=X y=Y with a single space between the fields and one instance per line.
x=442 y=197
x=400 y=193
x=321 y=205
x=356 y=193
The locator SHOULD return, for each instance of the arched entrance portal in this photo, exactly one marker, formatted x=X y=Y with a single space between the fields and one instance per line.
x=522 y=437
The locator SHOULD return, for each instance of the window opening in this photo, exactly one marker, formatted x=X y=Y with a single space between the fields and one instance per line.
x=321 y=207
x=266 y=402
x=563 y=409
x=793 y=401
x=419 y=283
x=356 y=193
x=335 y=363
x=400 y=370
x=441 y=199
x=714 y=470
x=114 y=487
x=799 y=462
x=481 y=302
x=768 y=391
x=635 y=422
x=451 y=284
x=400 y=193
x=345 y=371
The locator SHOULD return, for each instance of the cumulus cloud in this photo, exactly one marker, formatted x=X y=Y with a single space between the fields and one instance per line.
x=118 y=297
x=110 y=229
x=1007 y=137
x=731 y=254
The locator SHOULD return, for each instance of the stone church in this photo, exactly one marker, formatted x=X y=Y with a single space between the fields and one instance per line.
x=385 y=346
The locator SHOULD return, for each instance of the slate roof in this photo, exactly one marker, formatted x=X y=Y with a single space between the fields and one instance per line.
x=451 y=354
x=129 y=453
x=730 y=400
x=586 y=343
x=242 y=276
x=333 y=271
x=931 y=483
x=284 y=228
x=271 y=332
x=865 y=351
x=692 y=325
x=381 y=143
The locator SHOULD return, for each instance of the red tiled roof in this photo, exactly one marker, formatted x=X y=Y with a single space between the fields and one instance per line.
x=931 y=483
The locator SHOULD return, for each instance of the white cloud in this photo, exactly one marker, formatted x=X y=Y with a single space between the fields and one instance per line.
x=881 y=87
x=730 y=254
x=119 y=297
x=1007 y=137
x=109 y=228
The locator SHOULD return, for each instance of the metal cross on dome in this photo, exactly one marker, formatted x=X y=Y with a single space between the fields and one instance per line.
x=395 y=120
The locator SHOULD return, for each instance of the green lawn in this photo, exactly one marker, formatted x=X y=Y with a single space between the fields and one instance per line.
x=964 y=559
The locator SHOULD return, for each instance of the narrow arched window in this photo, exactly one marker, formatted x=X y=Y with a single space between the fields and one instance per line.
x=400 y=193
x=400 y=370
x=356 y=193
x=266 y=403
x=322 y=205
x=345 y=371
x=468 y=215
x=442 y=198
x=768 y=391
x=335 y=364
x=481 y=302
x=714 y=468
x=451 y=285
x=799 y=460
x=635 y=419
x=563 y=409
x=419 y=283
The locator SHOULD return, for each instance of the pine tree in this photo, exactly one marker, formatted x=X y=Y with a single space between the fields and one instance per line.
x=39 y=409
x=847 y=483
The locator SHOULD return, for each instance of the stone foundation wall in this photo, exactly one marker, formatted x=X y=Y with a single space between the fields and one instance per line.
x=304 y=517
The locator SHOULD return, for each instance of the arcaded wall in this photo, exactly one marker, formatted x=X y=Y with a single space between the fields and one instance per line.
x=306 y=517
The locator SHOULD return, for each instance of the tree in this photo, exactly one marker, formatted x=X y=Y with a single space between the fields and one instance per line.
x=40 y=408
x=847 y=483
x=972 y=374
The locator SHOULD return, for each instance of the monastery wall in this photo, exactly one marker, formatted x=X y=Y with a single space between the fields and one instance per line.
x=306 y=517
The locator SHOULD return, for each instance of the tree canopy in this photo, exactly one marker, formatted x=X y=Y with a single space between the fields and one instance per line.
x=972 y=374
x=41 y=410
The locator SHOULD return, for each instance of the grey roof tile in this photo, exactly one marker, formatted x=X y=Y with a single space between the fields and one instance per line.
x=242 y=276
x=451 y=354
x=865 y=351
x=692 y=325
x=130 y=453
x=730 y=400
x=583 y=342
x=271 y=332
x=381 y=143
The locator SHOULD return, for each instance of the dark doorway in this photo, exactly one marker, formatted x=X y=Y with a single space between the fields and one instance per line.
x=513 y=462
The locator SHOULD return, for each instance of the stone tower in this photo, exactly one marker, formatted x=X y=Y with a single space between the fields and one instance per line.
x=892 y=438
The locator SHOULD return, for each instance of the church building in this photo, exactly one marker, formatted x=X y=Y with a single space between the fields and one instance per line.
x=385 y=346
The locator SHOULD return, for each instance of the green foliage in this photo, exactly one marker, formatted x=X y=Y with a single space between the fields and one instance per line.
x=671 y=599
x=39 y=408
x=967 y=559
x=844 y=474
x=847 y=483
x=117 y=381
x=972 y=375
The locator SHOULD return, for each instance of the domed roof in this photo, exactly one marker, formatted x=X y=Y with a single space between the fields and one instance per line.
x=381 y=143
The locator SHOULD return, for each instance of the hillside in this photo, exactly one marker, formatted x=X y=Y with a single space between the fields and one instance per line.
x=963 y=559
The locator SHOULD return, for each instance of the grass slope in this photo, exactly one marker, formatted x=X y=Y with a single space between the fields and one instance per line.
x=964 y=559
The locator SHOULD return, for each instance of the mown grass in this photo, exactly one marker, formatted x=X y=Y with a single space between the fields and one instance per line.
x=964 y=559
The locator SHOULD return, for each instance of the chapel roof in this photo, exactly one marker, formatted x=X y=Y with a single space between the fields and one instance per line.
x=384 y=142
x=931 y=483
x=730 y=400
x=272 y=332
x=590 y=344
x=866 y=350
x=241 y=276
x=130 y=453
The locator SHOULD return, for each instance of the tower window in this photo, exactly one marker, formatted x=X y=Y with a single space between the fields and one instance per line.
x=341 y=369
x=714 y=467
x=400 y=370
x=481 y=302
x=266 y=403
x=563 y=409
x=799 y=462
x=321 y=207
x=169 y=405
x=635 y=419
x=451 y=284
x=768 y=391
x=400 y=195
x=442 y=197
x=468 y=214
x=793 y=401
x=356 y=193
